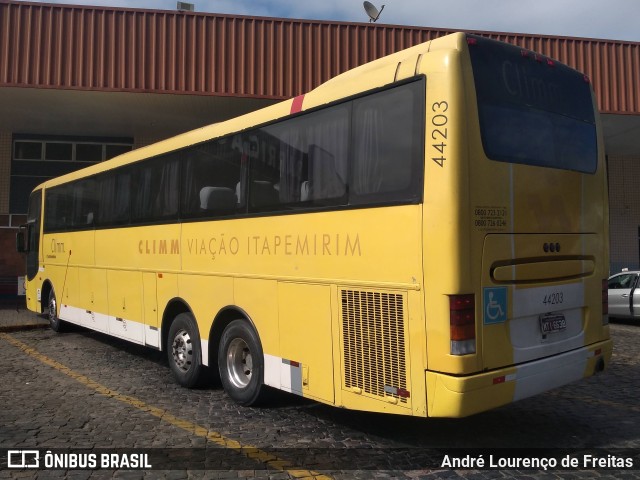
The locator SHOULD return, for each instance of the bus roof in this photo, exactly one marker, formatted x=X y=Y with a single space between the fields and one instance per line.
x=374 y=74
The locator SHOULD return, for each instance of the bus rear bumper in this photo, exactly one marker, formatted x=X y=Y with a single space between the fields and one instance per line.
x=452 y=396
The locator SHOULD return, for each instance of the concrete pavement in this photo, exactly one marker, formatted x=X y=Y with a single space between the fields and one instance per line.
x=83 y=391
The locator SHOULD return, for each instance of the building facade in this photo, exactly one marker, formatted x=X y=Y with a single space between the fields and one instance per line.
x=81 y=84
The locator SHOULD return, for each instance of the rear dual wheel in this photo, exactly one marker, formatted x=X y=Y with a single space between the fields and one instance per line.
x=240 y=358
x=185 y=351
x=241 y=363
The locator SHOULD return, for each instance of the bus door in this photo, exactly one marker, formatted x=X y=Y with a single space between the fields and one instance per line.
x=28 y=241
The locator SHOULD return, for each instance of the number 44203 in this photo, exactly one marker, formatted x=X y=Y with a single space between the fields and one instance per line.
x=439 y=132
x=555 y=298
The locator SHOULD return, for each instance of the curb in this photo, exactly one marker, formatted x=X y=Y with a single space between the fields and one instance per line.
x=18 y=328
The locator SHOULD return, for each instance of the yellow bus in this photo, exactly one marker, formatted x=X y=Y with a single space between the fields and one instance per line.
x=426 y=234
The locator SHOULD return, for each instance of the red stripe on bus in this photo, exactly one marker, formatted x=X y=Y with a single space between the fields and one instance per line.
x=296 y=106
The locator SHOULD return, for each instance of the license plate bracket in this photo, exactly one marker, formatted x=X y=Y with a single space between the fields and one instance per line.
x=553 y=322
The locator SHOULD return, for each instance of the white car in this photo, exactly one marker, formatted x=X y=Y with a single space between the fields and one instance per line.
x=624 y=295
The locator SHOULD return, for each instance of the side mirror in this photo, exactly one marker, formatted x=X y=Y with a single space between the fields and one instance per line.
x=21 y=240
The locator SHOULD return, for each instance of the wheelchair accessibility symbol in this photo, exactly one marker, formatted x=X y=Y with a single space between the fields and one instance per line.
x=495 y=305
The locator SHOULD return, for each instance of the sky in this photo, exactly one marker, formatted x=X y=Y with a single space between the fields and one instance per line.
x=607 y=19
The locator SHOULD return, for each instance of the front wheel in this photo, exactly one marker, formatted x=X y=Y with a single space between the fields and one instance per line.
x=184 y=351
x=55 y=323
x=241 y=363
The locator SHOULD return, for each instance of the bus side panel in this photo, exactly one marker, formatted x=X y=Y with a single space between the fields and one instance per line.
x=133 y=258
x=448 y=259
x=150 y=310
x=65 y=252
x=418 y=352
x=68 y=296
x=151 y=248
x=166 y=291
x=259 y=299
x=375 y=353
x=305 y=340
x=125 y=305
x=83 y=256
x=93 y=298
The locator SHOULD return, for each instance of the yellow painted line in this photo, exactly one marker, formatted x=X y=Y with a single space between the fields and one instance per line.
x=257 y=454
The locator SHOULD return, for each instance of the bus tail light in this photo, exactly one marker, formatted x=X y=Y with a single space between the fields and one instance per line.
x=462 y=321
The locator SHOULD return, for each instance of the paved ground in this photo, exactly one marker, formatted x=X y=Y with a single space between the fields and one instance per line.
x=83 y=390
x=15 y=316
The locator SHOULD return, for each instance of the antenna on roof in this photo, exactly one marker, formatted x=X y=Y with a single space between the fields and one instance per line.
x=372 y=11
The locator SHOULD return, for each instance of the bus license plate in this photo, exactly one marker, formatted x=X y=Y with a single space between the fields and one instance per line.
x=552 y=323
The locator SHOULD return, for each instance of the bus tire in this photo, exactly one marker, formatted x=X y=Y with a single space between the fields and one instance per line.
x=241 y=363
x=184 y=351
x=56 y=324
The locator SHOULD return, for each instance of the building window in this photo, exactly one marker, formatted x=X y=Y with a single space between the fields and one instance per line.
x=58 y=151
x=27 y=150
x=40 y=158
x=69 y=151
x=89 y=152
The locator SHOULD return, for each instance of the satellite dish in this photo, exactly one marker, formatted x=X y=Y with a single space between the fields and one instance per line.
x=372 y=11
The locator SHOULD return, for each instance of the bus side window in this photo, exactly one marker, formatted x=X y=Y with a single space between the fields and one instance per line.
x=211 y=180
x=387 y=145
x=85 y=203
x=265 y=171
x=312 y=160
x=327 y=175
x=156 y=192
x=59 y=208
x=114 y=193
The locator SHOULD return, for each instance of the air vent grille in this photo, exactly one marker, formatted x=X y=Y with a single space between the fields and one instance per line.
x=374 y=343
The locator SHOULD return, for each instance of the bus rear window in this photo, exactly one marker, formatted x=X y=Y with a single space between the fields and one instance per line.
x=532 y=110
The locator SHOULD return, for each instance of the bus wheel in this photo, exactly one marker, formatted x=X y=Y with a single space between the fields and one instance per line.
x=55 y=323
x=241 y=363
x=184 y=351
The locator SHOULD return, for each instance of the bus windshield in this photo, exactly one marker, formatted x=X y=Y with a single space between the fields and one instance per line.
x=532 y=110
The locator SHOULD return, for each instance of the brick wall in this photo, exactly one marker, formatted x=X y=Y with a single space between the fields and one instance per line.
x=5 y=171
x=11 y=262
x=624 y=205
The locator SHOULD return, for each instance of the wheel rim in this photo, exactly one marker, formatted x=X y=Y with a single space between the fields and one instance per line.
x=53 y=317
x=182 y=350
x=239 y=363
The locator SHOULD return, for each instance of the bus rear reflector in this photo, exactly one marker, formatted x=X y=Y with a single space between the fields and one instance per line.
x=462 y=323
